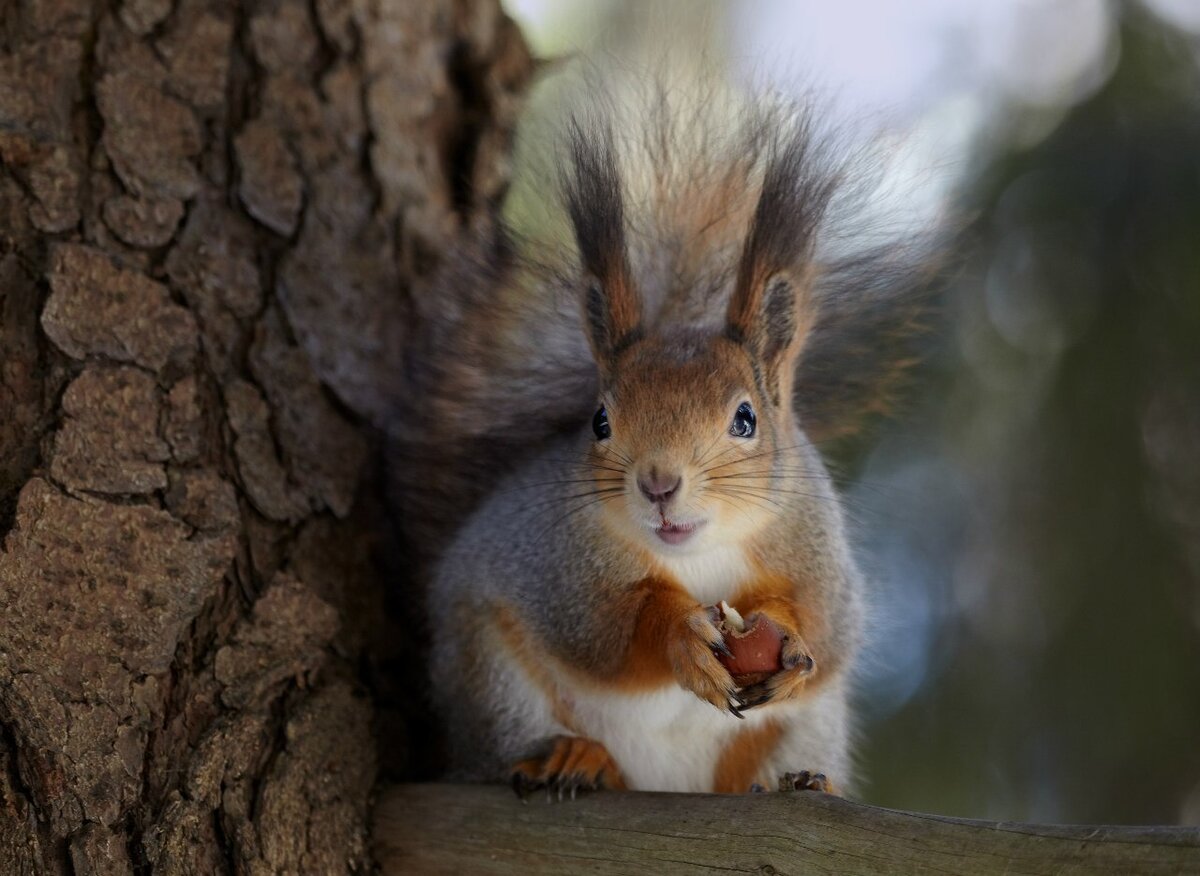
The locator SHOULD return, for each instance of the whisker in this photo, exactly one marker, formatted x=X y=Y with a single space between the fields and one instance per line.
x=566 y=516
x=756 y=500
x=621 y=456
x=581 y=462
x=772 y=491
x=847 y=503
x=552 y=501
x=768 y=452
x=729 y=500
x=782 y=473
x=705 y=455
x=604 y=452
x=738 y=491
x=722 y=454
x=561 y=482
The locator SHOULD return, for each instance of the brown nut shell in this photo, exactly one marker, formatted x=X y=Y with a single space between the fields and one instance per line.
x=757 y=653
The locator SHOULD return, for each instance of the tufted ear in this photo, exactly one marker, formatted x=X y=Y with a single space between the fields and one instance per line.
x=772 y=322
x=772 y=310
x=592 y=189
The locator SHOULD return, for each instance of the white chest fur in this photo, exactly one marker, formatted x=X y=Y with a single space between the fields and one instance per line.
x=710 y=575
x=669 y=739
x=665 y=740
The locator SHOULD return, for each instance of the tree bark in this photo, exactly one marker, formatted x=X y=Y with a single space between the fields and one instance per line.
x=213 y=216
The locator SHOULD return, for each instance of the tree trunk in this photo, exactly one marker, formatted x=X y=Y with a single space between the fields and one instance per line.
x=213 y=214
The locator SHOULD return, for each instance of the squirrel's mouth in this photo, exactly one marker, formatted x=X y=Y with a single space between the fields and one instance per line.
x=676 y=533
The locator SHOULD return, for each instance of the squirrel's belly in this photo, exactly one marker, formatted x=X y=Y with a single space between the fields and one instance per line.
x=665 y=740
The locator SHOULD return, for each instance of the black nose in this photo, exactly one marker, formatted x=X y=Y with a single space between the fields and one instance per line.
x=659 y=487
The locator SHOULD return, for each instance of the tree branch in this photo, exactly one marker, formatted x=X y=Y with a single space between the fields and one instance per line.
x=481 y=829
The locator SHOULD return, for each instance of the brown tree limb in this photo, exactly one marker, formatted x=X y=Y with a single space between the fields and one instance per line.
x=434 y=829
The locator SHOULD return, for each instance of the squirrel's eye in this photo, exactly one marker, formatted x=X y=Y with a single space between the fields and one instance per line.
x=600 y=424
x=743 y=421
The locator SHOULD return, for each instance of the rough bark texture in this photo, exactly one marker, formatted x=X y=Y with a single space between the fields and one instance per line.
x=212 y=216
x=433 y=829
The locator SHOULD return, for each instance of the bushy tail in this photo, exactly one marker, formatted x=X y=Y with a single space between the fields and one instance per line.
x=499 y=362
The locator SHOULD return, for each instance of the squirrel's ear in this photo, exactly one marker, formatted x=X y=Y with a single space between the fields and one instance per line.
x=594 y=200
x=772 y=308
x=772 y=321
x=613 y=320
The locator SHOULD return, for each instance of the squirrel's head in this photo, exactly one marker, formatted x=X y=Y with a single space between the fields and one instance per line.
x=694 y=431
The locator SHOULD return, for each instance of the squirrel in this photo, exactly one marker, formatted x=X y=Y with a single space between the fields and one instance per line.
x=612 y=438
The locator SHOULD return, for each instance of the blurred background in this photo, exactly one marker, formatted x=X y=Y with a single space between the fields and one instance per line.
x=1031 y=522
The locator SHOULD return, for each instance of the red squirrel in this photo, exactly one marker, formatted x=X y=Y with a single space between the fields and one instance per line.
x=631 y=417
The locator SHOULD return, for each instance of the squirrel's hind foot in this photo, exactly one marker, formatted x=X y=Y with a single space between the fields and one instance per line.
x=806 y=781
x=574 y=763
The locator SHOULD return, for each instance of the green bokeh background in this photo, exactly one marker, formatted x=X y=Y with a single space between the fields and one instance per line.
x=1066 y=398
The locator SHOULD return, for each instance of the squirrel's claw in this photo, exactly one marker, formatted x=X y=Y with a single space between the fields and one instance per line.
x=797 y=658
x=805 y=781
x=571 y=764
x=781 y=685
x=737 y=703
x=756 y=695
x=720 y=648
x=522 y=785
x=557 y=786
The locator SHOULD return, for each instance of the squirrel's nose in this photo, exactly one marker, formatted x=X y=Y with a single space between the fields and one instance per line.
x=659 y=488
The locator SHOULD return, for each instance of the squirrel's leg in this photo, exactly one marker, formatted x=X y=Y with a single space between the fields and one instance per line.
x=494 y=692
x=564 y=762
x=650 y=636
x=570 y=764
x=746 y=760
x=675 y=637
x=813 y=753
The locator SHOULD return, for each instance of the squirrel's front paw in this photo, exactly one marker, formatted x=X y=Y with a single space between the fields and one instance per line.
x=573 y=763
x=797 y=662
x=692 y=648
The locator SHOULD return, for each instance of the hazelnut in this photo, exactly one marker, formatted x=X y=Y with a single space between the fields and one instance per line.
x=755 y=651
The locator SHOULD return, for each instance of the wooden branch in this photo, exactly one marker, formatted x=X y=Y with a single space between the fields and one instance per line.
x=485 y=829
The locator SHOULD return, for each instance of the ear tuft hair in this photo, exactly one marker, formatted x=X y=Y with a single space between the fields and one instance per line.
x=591 y=185
x=773 y=272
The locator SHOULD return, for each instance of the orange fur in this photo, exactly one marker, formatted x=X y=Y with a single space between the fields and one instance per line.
x=626 y=306
x=741 y=761
x=573 y=761
x=672 y=640
x=671 y=643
